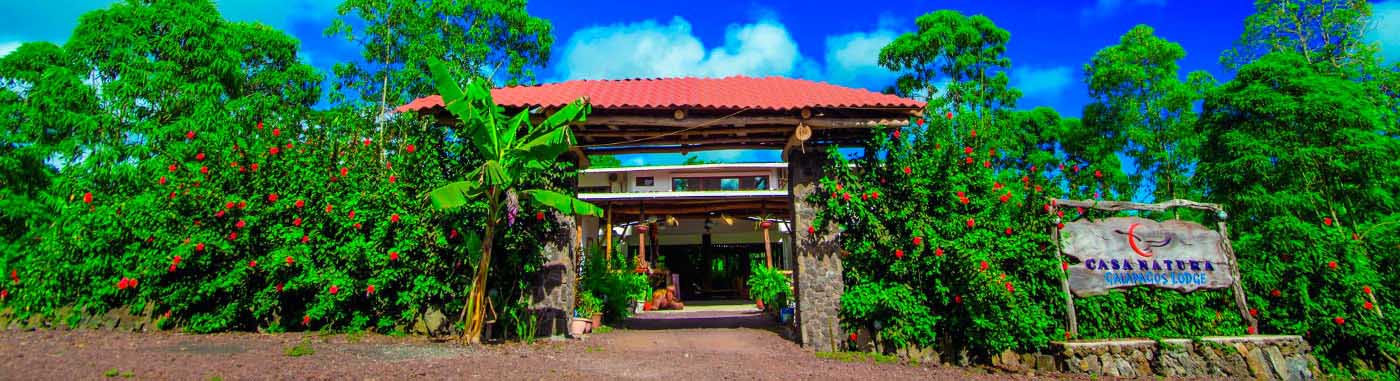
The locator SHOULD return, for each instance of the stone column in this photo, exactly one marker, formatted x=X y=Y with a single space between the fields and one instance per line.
x=817 y=271
x=556 y=283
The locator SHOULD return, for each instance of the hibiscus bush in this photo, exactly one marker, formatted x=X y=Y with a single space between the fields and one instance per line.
x=949 y=235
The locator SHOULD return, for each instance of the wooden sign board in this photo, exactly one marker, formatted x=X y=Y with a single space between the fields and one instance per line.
x=1125 y=252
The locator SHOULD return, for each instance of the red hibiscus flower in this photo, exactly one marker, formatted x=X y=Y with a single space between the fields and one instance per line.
x=846 y=196
x=899 y=253
x=1060 y=226
x=967 y=150
x=394 y=218
x=296 y=221
x=254 y=166
x=984 y=265
x=351 y=215
x=986 y=164
x=357 y=225
x=300 y=203
x=393 y=256
x=172 y=167
x=276 y=131
x=974 y=133
x=1006 y=197
x=938 y=252
x=279 y=287
x=392 y=178
x=175 y=260
x=199 y=156
x=1076 y=168
x=410 y=148
x=918 y=241
x=87 y=198
x=290 y=260
x=240 y=224
x=1327 y=221
x=950 y=115
x=908 y=170
x=971 y=222
x=853 y=337
x=162 y=180
x=1008 y=231
x=1275 y=293
x=273 y=150
x=957 y=299
x=1332 y=265
x=968 y=160
x=1368 y=306
x=1067 y=336
x=366 y=142
x=344 y=171
x=811 y=230
x=232 y=236
x=272 y=197
x=1064 y=266
x=204 y=170
x=1010 y=288
x=253 y=263
x=896 y=133
x=1253 y=312
x=305 y=239
x=1037 y=188
x=189 y=135
x=1366 y=289
x=996 y=185
x=1339 y=320
x=334 y=289
x=199 y=246
x=370 y=289
x=306 y=320
x=259 y=124
x=328 y=208
x=122 y=284
x=539 y=216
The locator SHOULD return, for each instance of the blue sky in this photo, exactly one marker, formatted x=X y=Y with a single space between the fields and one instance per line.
x=832 y=41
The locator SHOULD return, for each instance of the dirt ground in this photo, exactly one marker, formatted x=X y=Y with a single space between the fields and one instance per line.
x=711 y=354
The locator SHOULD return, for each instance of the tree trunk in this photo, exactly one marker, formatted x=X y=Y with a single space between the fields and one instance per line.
x=767 y=248
x=475 y=310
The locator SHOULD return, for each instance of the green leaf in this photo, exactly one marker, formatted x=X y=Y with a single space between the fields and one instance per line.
x=454 y=195
x=564 y=203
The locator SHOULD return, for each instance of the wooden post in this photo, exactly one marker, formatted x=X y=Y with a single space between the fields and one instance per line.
x=767 y=243
x=1235 y=271
x=1070 y=314
x=609 y=233
x=642 y=246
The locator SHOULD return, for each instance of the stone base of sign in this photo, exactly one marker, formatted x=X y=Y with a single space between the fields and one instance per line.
x=1252 y=357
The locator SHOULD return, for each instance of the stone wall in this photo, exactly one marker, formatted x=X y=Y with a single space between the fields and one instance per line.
x=554 y=289
x=817 y=274
x=1251 y=357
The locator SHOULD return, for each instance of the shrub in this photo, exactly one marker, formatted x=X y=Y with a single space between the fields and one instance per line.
x=768 y=285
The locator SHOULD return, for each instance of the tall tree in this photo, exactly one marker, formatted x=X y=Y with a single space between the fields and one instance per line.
x=1141 y=104
x=1321 y=31
x=496 y=40
x=963 y=54
x=1305 y=160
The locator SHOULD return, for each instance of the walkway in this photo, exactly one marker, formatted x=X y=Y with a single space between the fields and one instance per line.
x=711 y=354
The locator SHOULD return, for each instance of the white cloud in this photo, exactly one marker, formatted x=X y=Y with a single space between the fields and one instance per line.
x=1042 y=82
x=1387 y=29
x=1105 y=8
x=853 y=59
x=7 y=47
x=652 y=49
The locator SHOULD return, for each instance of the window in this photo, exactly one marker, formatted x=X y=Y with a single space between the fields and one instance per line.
x=646 y=181
x=681 y=184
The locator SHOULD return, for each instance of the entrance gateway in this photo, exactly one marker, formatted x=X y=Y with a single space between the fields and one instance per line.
x=688 y=218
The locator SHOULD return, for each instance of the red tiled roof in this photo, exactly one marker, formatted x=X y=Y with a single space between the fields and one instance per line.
x=768 y=93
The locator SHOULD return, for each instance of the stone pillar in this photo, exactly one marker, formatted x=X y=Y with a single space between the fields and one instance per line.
x=817 y=271
x=556 y=283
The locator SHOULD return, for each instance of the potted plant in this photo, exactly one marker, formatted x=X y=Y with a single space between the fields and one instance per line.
x=579 y=326
x=591 y=307
x=769 y=287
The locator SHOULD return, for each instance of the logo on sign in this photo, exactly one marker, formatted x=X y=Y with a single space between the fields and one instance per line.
x=1142 y=244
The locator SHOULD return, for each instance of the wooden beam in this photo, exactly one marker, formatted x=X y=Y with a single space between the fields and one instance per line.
x=671 y=149
x=818 y=122
x=662 y=210
x=677 y=141
x=1116 y=206
x=707 y=130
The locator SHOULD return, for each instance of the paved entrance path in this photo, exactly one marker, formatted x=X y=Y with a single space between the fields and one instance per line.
x=709 y=354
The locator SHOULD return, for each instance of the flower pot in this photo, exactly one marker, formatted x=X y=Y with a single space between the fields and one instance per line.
x=759 y=303
x=597 y=320
x=578 y=326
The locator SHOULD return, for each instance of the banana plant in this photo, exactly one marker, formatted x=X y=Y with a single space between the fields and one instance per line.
x=514 y=149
